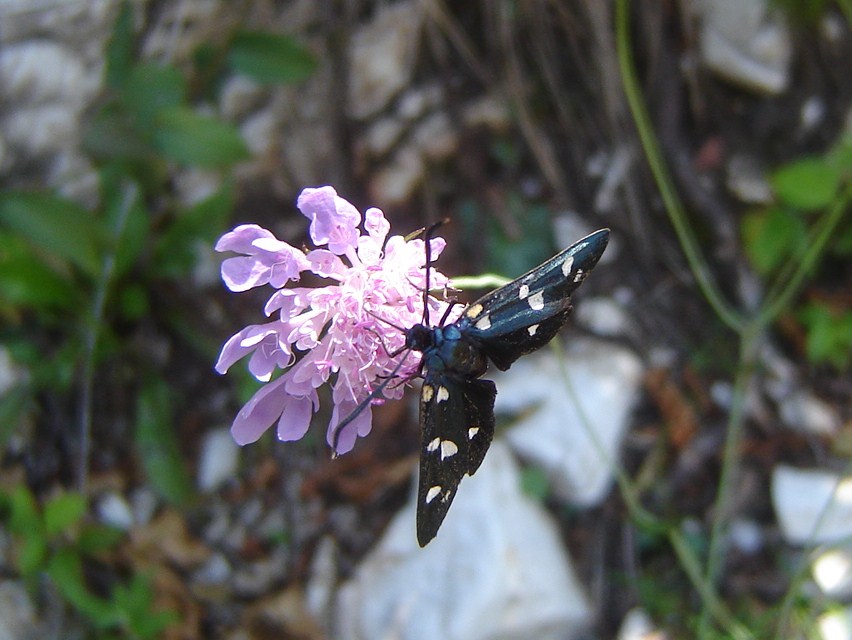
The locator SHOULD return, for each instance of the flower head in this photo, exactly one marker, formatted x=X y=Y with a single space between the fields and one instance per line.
x=342 y=333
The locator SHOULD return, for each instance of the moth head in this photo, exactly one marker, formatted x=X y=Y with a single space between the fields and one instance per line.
x=418 y=337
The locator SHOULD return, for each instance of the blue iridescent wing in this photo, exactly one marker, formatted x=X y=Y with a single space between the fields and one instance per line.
x=457 y=424
x=525 y=314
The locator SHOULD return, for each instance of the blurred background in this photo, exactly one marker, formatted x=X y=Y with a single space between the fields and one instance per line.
x=677 y=465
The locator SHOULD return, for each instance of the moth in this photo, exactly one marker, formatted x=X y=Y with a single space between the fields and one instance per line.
x=456 y=404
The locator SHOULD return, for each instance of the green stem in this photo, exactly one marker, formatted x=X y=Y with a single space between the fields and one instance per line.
x=674 y=207
x=92 y=333
x=782 y=293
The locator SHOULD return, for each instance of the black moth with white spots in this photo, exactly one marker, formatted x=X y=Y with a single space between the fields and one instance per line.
x=456 y=406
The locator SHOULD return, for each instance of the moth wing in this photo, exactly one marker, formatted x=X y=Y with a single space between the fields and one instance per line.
x=525 y=314
x=457 y=425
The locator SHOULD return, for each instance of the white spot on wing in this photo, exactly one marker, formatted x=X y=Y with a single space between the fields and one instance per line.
x=531 y=330
x=579 y=275
x=443 y=394
x=472 y=432
x=567 y=266
x=433 y=445
x=536 y=301
x=448 y=449
x=523 y=292
x=484 y=323
x=433 y=493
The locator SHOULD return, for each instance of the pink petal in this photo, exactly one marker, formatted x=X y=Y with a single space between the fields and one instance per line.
x=241 y=238
x=360 y=426
x=296 y=417
x=260 y=412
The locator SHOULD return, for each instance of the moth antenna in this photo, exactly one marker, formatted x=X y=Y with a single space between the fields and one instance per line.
x=427 y=237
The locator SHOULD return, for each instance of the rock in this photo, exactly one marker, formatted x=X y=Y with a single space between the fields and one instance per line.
x=812 y=506
x=742 y=41
x=747 y=181
x=604 y=317
x=803 y=411
x=382 y=56
x=17 y=613
x=320 y=587
x=832 y=571
x=552 y=434
x=218 y=460
x=836 y=625
x=115 y=511
x=637 y=625
x=497 y=569
x=746 y=536
x=40 y=71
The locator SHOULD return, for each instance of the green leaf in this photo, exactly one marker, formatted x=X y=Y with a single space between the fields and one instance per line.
x=270 y=58
x=66 y=570
x=63 y=512
x=150 y=89
x=157 y=444
x=807 y=184
x=534 y=483
x=13 y=403
x=829 y=335
x=95 y=538
x=24 y=517
x=119 y=52
x=772 y=236
x=190 y=139
x=125 y=215
x=112 y=135
x=27 y=281
x=175 y=253
x=59 y=227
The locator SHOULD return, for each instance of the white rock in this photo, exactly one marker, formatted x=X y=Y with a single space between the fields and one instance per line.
x=746 y=536
x=218 y=461
x=435 y=137
x=812 y=506
x=261 y=131
x=42 y=129
x=552 y=434
x=37 y=71
x=382 y=56
x=11 y=374
x=832 y=571
x=742 y=41
x=396 y=182
x=215 y=571
x=803 y=411
x=238 y=95
x=497 y=569
x=382 y=135
x=114 y=510
x=17 y=613
x=747 y=181
x=415 y=103
x=836 y=625
x=487 y=111
x=603 y=316
x=637 y=625
x=319 y=590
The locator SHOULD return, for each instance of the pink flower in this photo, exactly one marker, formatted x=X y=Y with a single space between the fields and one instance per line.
x=342 y=333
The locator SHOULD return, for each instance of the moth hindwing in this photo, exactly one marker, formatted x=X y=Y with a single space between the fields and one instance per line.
x=456 y=406
x=457 y=424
